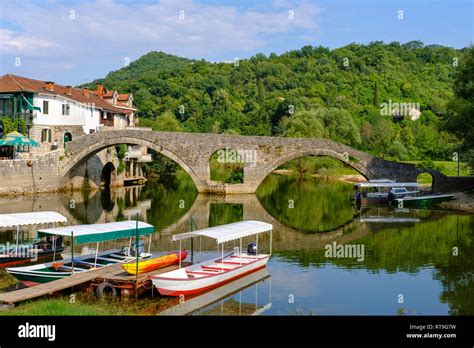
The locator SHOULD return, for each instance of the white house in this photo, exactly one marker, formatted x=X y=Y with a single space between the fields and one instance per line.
x=55 y=114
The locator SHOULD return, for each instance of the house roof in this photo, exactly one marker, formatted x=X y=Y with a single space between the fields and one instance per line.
x=109 y=94
x=12 y=83
x=123 y=97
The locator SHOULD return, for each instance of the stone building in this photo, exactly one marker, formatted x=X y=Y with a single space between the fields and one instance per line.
x=53 y=114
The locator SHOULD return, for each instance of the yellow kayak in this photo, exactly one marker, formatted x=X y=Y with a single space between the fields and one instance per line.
x=156 y=263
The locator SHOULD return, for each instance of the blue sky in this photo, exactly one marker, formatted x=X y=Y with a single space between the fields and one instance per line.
x=75 y=41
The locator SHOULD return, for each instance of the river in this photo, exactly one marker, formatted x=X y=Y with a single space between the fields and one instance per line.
x=403 y=262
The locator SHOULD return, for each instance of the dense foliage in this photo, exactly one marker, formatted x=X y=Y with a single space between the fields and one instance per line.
x=310 y=92
x=461 y=120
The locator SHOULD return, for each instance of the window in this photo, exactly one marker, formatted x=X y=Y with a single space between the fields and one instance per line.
x=44 y=134
x=45 y=107
x=66 y=109
x=49 y=135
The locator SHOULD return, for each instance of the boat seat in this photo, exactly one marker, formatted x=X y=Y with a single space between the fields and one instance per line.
x=202 y=272
x=107 y=259
x=121 y=256
x=217 y=267
x=246 y=257
x=234 y=262
x=67 y=268
x=89 y=264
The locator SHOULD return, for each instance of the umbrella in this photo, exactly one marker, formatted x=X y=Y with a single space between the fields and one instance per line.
x=17 y=139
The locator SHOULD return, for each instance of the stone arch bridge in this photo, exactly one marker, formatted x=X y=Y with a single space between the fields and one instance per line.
x=260 y=156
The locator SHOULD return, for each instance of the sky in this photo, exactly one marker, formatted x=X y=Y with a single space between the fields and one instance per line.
x=76 y=41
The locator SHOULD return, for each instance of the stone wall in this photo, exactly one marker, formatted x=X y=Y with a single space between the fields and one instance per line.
x=57 y=135
x=30 y=175
x=27 y=176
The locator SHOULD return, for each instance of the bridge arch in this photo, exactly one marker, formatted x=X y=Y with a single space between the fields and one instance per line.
x=93 y=149
x=359 y=167
x=108 y=175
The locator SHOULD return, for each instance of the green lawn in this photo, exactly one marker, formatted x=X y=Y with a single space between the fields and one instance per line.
x=87 y=304
x=449 y=168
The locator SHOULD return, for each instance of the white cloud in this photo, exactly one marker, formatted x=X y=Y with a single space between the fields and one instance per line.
x=17 y=43
x=105 y=30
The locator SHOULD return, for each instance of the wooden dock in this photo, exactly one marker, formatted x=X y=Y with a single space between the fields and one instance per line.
x=113 y=274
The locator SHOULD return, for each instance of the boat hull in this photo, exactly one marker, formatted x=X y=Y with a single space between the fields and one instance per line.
x=45 y=272
x=178 y=287
x=422 y=202
x=16 y=261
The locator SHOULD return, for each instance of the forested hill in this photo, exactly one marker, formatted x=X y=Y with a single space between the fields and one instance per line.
x=311 y=92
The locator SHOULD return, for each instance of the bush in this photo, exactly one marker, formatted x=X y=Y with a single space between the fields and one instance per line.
x=236 y=177
x=121 y=166
x=121 y=150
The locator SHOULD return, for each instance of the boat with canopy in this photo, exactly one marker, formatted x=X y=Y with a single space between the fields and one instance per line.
x=379 y=190
x=220 y=270
x=29 y=250
x=81 y=234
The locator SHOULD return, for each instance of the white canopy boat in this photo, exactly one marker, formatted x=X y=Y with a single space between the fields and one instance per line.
x=377 y=191
x=220 y=270
x=29 y=251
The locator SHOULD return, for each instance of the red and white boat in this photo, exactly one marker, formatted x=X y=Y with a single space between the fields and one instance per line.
x=220 y=270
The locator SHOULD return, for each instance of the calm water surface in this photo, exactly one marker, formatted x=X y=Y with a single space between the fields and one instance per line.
x=414 y=261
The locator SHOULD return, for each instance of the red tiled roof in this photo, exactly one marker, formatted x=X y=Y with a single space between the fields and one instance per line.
x=123 y=97
x=109 y=94
x=13 y=83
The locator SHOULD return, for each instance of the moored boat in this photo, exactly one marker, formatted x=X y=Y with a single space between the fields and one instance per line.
x=79 y=234
x=46 y=272
x=19 y=253
x=155 y=263
x=215 y=272
x=380 y=191
x=424 y=201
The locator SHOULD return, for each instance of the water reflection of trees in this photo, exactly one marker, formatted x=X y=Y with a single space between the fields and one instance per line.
x=409 y=249
x=307 y=204
x=457 y=274
x=171 y=197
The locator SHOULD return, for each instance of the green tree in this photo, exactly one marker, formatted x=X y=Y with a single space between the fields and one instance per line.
x=461 y=119
x=303 y=124
x=167 y=122
x=376 y=94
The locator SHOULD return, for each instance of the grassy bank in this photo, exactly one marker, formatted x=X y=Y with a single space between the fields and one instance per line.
x=86 y=304
x=449 y=168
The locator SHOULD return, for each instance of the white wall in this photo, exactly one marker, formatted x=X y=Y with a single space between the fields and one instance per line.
x=79 y=115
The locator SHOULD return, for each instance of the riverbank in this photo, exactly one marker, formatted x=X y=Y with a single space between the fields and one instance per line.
x=349 y=178
x=464 y=201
